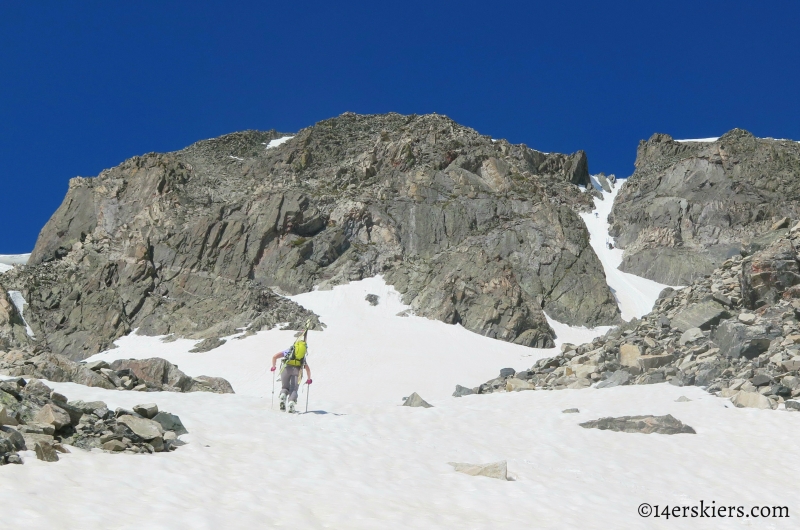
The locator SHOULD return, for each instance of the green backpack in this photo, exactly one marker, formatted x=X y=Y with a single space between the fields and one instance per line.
x=297 y=357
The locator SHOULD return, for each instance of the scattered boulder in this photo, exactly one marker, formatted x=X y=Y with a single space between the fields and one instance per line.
x=15 y=440
x=682 y=399
x=690 y=335
x=792 y=404
x=142 y=427
x=747 y=318
x=701 y=315
x=37 y=388
x=498 y=470
x=170 y=422
x=515 y=385
x=629 y=354
x=53 y=415
x=414 y=400
x=742 y=340
x=651 y=362
x=205 y=383
x=373 y=299
x=97 y=365
x=760 y=380
x=641 y=424
x=45 y=452
x=507 y=372
x=753 y=400
x=114 y=446
x=570 y=411
x=7 y=417
x=148 y=410
x=617 y=378
x=462 y=391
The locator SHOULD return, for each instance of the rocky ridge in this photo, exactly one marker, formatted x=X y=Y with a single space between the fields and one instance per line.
x=35 y=417
x=202 y=242
x=734 y=332
x=689 y=206
x=143 y=375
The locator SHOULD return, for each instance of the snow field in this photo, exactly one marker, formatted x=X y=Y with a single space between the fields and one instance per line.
x=248 y=467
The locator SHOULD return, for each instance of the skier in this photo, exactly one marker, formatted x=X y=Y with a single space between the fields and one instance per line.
x=292 y=363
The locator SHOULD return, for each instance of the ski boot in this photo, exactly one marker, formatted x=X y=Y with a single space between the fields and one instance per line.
x=292 y=405
x=283 y=402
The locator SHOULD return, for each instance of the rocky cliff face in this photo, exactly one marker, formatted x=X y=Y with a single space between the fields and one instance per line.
x=197 y=242
x=690 y=205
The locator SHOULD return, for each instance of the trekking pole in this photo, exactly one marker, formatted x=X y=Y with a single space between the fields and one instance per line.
x=272 y=401
x=308 y=391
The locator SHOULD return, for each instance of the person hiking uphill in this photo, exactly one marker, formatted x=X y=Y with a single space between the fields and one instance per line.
x=294 y=360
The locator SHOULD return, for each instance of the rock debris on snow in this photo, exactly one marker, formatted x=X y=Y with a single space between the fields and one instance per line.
x=144 y=375
x=689 y=339
x=31 y=420
x=641 y=424
x=498 y=470
x=414 y=400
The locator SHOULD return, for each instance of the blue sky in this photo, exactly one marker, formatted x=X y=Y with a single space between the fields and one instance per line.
x=86 y=85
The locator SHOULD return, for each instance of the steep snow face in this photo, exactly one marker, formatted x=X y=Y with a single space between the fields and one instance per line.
x=635 y=295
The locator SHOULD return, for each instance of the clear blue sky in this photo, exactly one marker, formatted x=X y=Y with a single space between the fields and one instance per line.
x=83 y=88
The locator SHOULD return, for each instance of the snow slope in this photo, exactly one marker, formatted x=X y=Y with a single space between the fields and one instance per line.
x=363 y=343
x=358 y=460
x=635 y=295
x=248 y=467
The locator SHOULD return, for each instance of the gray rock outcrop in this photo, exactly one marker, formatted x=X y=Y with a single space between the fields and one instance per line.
x=641 y=424
x=198 y=242
x=753 y=358
x=691 y=205
x=414 y=400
